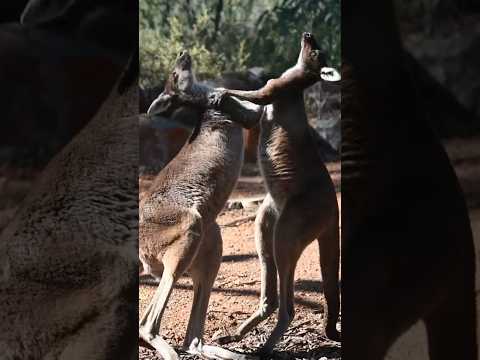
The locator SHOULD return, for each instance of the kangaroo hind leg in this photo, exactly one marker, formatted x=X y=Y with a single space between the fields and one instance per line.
x=176 y=260
x=264 y=228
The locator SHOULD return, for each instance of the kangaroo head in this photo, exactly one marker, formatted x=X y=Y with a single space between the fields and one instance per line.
x=313 y=60
x=311 y=57
x=181 y=79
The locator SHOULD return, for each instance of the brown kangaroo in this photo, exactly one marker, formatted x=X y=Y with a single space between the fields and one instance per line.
x=178 y=228
x=301 y=204
x=407 y=246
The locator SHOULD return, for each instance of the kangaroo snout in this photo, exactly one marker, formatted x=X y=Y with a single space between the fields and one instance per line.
x=309 y=40
x=307 y=35
x=184 y=60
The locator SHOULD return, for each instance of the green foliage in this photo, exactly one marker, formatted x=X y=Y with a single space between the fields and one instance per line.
x=233 y=35
x=156 y=61
x=280 y=29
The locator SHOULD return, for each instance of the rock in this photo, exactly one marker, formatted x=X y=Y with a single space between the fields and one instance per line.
x=451 y=55
x=323 y=112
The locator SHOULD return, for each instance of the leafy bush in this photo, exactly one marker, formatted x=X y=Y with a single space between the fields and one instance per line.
x=232 y=35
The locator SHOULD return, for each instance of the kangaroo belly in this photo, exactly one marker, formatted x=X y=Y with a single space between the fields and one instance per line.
x=215 y=171
x=285 y=161
x=203 y=174
x=279 y=171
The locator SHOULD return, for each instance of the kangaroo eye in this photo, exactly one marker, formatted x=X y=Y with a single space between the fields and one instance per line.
x=175 y=77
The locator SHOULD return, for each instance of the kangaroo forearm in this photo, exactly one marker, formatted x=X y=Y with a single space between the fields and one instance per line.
x=244 y=113
x=259 y=97
x=192 y=100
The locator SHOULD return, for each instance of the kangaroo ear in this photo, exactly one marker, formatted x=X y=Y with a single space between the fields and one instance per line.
x=329 y=74
x=162 y=105
x=42 y=11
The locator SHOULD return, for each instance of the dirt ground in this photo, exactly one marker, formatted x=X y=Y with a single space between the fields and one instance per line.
x=237 y=288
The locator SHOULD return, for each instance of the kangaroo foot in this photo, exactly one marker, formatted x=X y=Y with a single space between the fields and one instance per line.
x=216 y=352
x=158 y=344
x=265 y=310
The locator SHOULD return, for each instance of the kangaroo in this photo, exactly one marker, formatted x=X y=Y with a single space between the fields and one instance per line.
x=68 y=260
x=178 y=228
x=407 y=245
x=301 y=203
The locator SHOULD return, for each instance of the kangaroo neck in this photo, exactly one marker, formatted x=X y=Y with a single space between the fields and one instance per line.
x=287 y=112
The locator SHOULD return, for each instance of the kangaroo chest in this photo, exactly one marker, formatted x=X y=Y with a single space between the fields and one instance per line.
x=280 y=154
x=204 y=173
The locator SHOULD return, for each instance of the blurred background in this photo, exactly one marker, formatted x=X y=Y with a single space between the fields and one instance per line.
x=442 y=40
x=443 y=37
x=53 y=79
